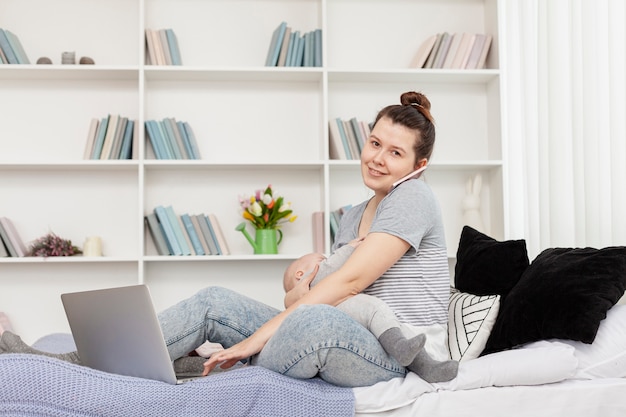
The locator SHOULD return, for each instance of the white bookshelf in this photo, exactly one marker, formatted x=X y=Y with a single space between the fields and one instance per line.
x=255 y=126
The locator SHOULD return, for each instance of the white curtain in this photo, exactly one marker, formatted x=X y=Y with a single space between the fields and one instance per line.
x=565 y=89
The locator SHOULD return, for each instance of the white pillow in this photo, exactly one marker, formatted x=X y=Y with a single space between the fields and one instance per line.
x=606 y=356
x=470 y=320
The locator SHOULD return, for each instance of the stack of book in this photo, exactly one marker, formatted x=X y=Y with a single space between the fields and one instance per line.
x=11 y=245
x=335 y=219
x=11 y=50
x=290 y=48
x=453 y=51
x=171 y=139
x=186 y=234
x=347 y=137
x=112 y=137
x=162 y=47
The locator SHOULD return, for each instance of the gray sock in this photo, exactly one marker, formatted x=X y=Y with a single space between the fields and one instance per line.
x=431 y=370
x=399 y=347
x=12 y=343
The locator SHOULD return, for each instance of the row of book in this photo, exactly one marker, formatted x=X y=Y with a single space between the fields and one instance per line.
x=185 y=234
x=11 y=245
x=111 y=137
x=172 y=139
x=347 y=137
x=291 y=48
x=162 y=47
x=11 y=49
x=453 y=51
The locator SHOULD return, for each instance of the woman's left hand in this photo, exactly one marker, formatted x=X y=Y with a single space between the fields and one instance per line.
x=229 y=357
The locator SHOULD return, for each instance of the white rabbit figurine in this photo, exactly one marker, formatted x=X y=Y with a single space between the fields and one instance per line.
x=471 y=204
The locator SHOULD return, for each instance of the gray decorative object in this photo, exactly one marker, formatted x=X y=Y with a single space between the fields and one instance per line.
x=86 y=61
x=68 y=58
x=44 y=60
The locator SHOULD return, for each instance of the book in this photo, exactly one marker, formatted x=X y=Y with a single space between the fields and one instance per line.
x=155 y=139
x=110 y=136
x=335 y=145
x=198 y=228
x=158 y=47
x=158 y=236
x=166 y=144
x=460 y=53
x=14 y=237
x=485 y=51
x=318 y=231
x=318 y=47
x=6 y=48
x=443 y=50
x=275 y=44
x=178 y=231
x=284 y=48
x=126 y=151
x=344 y=138
x=4 y=253
x=206 y=233
x=135 y=147
x=4 y=238
x=299 y=58
x=3 y=57
x=186 y=236
x=221 y=239
x=193 y=236
x=91 y=138
x=356 y=128
x=116 y=146
x=165 y=45
x=352 y=141
x=172 y=42
x=290 y=49
x=178 y=138
x=170 y=138
x=468 y=51
x=192 y=140
x=424 y=50
x=433 y=52
x=151 y=51
x=17 y=47
x=168 y=230
x=102 y=130
x=477 y=48
x=454 y=47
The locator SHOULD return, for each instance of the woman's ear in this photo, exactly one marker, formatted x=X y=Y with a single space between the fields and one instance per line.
x=422 y=162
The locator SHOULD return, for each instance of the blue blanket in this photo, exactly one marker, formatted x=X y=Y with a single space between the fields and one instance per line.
x=39 y=386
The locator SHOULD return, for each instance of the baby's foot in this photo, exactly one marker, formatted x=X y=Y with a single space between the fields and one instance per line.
x=399 y=347
x=12 y=343
x=5 y=324
x=431 y=370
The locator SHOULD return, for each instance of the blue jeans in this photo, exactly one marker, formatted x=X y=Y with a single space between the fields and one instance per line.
x=313 y=341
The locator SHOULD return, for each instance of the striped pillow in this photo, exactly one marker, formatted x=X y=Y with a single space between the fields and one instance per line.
x=470 y=320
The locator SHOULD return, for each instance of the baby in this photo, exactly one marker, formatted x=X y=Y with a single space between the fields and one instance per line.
x=373 y=313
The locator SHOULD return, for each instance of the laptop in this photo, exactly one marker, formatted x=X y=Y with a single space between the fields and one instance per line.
x=116 y=330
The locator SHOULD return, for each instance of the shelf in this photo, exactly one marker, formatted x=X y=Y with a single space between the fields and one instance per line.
x=68 y=72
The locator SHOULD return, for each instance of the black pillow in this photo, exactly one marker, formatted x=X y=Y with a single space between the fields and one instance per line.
x=485 y=266
x=564 y=294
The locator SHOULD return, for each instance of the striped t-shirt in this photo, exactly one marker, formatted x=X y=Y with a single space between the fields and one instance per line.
x=417 y=287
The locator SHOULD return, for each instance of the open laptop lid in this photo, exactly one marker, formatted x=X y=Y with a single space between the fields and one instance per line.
x=116 y=330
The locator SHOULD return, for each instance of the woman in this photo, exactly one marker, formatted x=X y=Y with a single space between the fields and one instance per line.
x=402 y=260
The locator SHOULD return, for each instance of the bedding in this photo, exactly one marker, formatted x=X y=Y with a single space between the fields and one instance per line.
x=548 y=340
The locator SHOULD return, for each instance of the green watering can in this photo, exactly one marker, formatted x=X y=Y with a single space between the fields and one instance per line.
x=266 y=241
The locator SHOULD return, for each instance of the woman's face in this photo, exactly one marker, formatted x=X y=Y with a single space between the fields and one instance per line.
x=387 y=155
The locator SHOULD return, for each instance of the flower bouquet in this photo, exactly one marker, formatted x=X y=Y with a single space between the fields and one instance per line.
x=266 y=213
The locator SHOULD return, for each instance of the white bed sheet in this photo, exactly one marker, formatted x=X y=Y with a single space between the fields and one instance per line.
x=570 y=398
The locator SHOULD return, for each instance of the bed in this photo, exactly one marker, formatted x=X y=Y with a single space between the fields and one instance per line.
x=540 y=338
